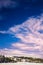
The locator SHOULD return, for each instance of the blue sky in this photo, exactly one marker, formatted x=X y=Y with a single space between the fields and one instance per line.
x=21 y=27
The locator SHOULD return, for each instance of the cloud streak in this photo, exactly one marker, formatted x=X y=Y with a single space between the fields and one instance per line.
x=12 y=52
x=7 y=3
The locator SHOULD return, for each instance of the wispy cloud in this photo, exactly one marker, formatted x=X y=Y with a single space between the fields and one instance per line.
x=31 y=43
x=12 y=52
x=7 y=3
x=3 y=32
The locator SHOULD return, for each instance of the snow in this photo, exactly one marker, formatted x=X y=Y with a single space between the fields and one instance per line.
x=21 y=63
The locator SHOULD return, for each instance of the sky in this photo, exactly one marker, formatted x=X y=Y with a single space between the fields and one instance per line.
x=21 y=28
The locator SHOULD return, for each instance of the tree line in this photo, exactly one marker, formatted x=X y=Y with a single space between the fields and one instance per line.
x=4 y=59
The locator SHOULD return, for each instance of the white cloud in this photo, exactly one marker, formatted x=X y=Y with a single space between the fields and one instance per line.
x=22 y=46
x=28 y=33
x=10 y=52
x=16 y=52
x=25 y=46
x=3 y=32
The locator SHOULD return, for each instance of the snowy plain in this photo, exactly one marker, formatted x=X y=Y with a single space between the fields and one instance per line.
x=21 y=63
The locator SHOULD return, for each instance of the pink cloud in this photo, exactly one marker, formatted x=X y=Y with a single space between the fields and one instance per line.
x=12 y=52
x=22 y=46
x=30 y=35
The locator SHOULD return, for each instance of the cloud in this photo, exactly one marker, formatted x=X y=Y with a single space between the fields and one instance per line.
x=31 y=43
x=22 y=46
x=28 y=31
x=27 y=47
x=7 y=3
x=10 y=52
x=3 y=32
x=16 y=52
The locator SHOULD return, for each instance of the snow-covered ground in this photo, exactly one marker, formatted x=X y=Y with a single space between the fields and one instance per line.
x=21 y=63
